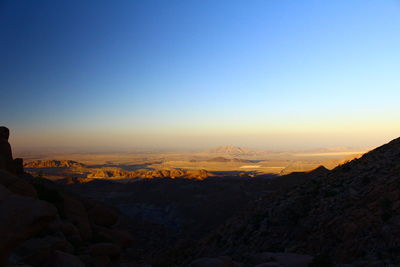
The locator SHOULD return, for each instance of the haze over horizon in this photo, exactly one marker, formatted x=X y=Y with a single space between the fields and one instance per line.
x=198 y=74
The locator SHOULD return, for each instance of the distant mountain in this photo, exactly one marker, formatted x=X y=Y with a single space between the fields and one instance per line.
x=53 y=164
x=222 y=159
x=230 y=150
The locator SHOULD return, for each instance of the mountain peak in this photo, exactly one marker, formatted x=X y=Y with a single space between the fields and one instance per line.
x=231 y=150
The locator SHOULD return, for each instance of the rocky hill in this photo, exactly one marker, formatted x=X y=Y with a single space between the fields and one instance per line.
x=53 y=164
x=148 y=174
x=230 y=150
x=348 y=215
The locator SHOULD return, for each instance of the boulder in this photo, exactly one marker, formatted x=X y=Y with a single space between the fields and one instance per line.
x=269 y=264
x=105 y=249
x=62 y=259
x=86 y=259
x=103 y=216
x=214 y=262
x=17 y=185
x=122 y=238
x=282 y=259
x=21 y=218
x=101 y=261
x=38 y=251
x=71 y=233
x=135 y=264
x=76 y=213
x=69 y=229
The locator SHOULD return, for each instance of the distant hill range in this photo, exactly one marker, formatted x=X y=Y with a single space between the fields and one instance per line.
x=222 y=159
x=54 y=164
x=114 y=173
x=147 y=174
x=232 y=151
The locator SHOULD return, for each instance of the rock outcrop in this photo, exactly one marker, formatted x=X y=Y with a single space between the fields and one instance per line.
x=6 y=158
x=43 y=225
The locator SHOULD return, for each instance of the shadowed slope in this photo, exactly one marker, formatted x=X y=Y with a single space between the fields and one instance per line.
x=350 y=214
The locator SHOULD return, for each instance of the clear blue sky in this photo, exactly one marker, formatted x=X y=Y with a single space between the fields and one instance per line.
x=271 y=73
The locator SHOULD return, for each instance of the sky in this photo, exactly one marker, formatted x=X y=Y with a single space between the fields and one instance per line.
x=270 y=74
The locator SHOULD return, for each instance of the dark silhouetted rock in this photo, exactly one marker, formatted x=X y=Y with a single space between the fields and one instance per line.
x=105 y=249
x=281 y=259
x=76 y=213
x=6 y=158
x=38 y=251
x=62 y=259
x=103 y=216
x=214 y=262
x=17 y=185
x=20 y=218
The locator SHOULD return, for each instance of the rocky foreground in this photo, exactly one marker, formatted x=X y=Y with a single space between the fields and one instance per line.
x=42 y=225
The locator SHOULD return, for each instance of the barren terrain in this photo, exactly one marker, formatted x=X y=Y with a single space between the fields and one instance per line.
x=220 y=161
